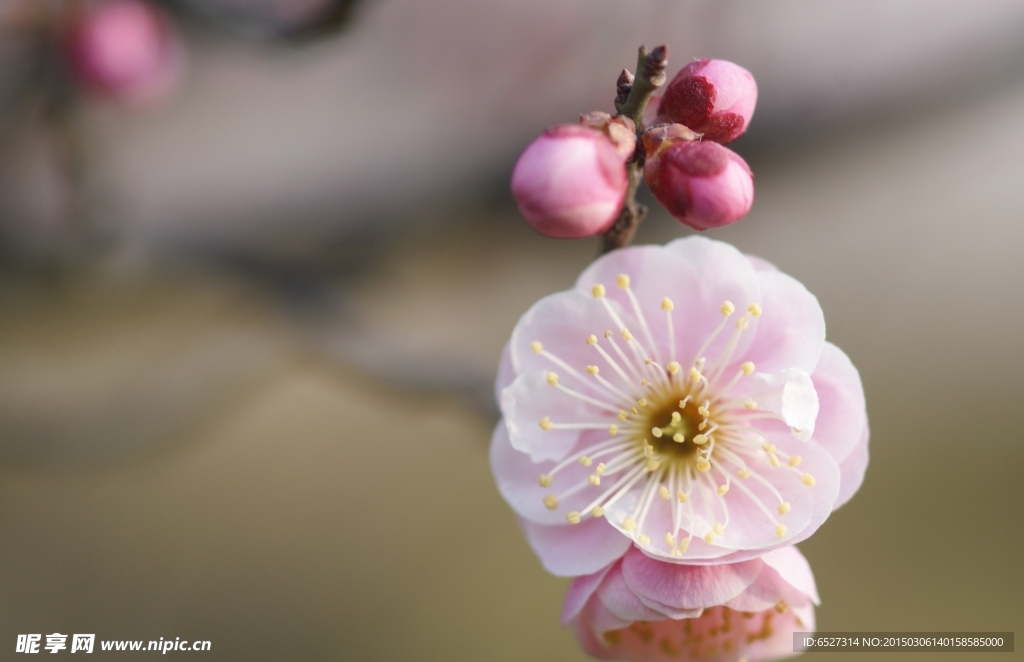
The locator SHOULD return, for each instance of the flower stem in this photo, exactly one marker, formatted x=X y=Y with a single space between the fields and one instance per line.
x=650 y=76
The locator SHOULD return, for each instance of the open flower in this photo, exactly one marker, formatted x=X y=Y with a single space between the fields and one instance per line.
x=647 y=611
x=681 y=399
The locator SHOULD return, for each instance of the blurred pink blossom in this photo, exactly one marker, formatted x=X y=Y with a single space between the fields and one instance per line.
x=648 y=611
x=570 y=182
x=702 y=184
x=645 y=408
x=712 y=97
x=128 y=50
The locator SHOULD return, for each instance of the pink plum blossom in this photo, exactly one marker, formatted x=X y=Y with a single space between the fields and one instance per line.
x=649 y=611
x=712 y=97
x=680 y=399
x=127 y=50
x=570 y=182
x=701 y=184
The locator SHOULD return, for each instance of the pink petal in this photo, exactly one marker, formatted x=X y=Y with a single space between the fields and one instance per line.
x=561 y=322
x=791 y=330
x=516 y=475
x=686 y=587
x=842 y=420
x=571 y=551
x=528 y=400
x=761 y=264
x=579 y=592
x=794 y=569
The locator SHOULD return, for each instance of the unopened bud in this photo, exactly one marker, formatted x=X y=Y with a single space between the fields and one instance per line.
x=702 y=184
x=570 y=182
x=127 y=50
x=713 y=97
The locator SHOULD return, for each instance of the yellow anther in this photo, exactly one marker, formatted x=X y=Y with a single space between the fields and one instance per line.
x=682 y=496
x=594 y=479
x=544 y=480
x=808 y=480
x=626 y=335
x=754 y=310
x=586 y=461
x=652 y=465
x=642 y=402
x=719 y=528
x=657 y=432
x=643 y=539
x=703 y=411
x=683 y=545
x=598 y=511
x=599 y=469
x=676 y=553
x=663 y=493
x=592 y=370
x=573 y=517
x=591 y=339
x=722 y=489
x=781 y=607
x=644 y=382
x=551 y=501
x=648 y=450
x=667 y=305
x=676 y=418
x=608 y=334
x=622 y=281
x=552 y=379
x=743 y=473
x=545 y=423
x=784 y=507
x=673 y=367
x=703 y=465
x=743 y=323
x=749 y=404
x=780 y=530
x=623 y=416
x=747 y=367
x=772 y=448
x=597 y=291
x=727 y=308
x=700 y=439
x=709 y=537
x=695 y=375
x=670 y=540
x=613 y=429
x=703 y=425
x=635 y=412
x=678 y=437
x=537 y=347
x=795 y=461
x=629 y=524
x=774 y=459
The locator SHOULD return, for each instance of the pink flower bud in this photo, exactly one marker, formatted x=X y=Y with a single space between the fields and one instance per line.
x=570 y=182
x=702 y=184
x=127 y=50
x=712 y=97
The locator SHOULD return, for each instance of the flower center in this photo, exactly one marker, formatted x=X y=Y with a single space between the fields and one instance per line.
x=673 y=427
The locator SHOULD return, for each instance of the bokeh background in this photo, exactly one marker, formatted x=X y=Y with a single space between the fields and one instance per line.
x=247 y=344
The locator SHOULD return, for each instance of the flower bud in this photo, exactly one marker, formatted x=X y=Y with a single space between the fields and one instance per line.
x=712 y=97
x=570 y=182
x=127 y=50
x=702 y=184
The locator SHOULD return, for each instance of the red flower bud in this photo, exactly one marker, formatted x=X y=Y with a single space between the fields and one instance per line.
x=712 y=97
x=702 y=184
x=127 y=50
x=570 y=182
